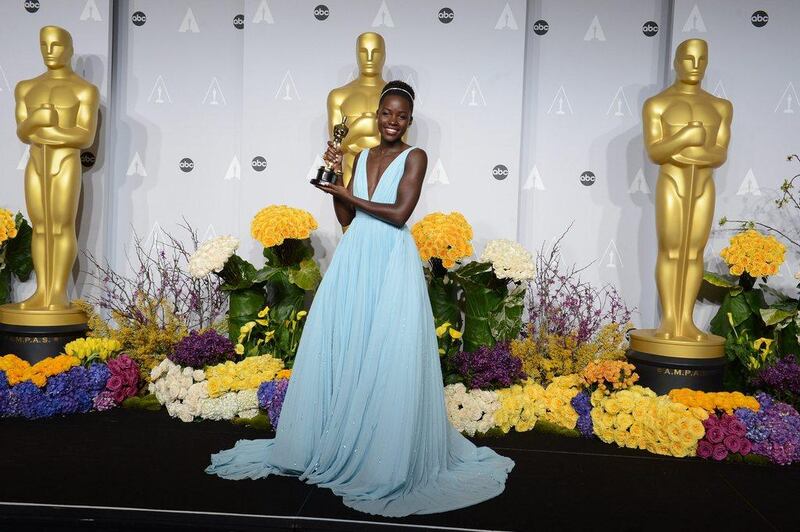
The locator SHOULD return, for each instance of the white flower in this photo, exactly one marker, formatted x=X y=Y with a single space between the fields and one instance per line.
x=212 y=255
x=224 y=407
x=247 y=400
x=509 y=260
x=470 y=411
x=199 y=375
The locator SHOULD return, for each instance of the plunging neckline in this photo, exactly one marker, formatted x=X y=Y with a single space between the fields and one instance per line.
x=380 y=178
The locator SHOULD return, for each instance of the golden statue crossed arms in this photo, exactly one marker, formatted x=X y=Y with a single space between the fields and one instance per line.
x=686 y=132
x=56 y=114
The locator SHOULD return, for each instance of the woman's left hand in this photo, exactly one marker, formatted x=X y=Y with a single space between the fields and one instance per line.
x=336 y=190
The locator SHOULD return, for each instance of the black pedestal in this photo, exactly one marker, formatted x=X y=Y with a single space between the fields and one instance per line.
x=662 y=374
x=34 y=343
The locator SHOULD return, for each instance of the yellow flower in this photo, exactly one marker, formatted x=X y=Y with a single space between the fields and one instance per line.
x=239 y=349
x=276 y=223
x=301 y=314
x=752 y=252
x=8 y=227
x=263 y=312
x=443 y=236
x=454 y=334
x=441 y=329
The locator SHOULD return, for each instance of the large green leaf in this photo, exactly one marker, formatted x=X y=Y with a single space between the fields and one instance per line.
x=506 y=318
x=290 y=253
x=270 y=274
x=719 y=280
x=18 y=251
x=740 y=311
x=306 y=276
x=479 y=301
x=237 y=274
x=5 y=285
x=771 y=316
x=443 y=294
x=244 y=306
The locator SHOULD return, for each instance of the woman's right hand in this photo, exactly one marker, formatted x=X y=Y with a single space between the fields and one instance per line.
x=334 y=156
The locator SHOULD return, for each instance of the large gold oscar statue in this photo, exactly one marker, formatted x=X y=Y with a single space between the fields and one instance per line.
x=686 y=132
x=57 y=115
x=358 y=101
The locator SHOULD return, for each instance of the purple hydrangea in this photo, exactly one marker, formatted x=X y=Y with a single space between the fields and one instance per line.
x=200 y=349
x=490 y=367
x=104 y=401
x=3 y=381
x=98 y=376
x=582 y=404
x=781 y=378
x=270 y=398
x=774 y=430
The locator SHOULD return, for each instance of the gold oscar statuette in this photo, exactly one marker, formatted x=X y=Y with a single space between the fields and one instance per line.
x=56 y=115
x=686 y=132
x=325 y=173
x=358 y=101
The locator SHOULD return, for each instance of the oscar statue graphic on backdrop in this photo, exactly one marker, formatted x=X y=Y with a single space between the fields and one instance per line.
x=358 y=101
x=56 y=114
x=686 y=132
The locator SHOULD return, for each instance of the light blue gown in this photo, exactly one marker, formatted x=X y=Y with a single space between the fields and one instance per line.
x=364 y=413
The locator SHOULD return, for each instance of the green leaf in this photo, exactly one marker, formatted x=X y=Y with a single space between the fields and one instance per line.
x=307 y=275
x=260 y=422
x=719 y=280
x=444 y=302
x=244 y=306
x=18 y=252
x=738 y=307
x=269 y=274
x=237 y=274
x=771 y=316
x=5 y=285
x=146 y=402
x=506 y=318
x=755 y=300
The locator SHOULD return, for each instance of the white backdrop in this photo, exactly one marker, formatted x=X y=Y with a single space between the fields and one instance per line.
x=550 y=89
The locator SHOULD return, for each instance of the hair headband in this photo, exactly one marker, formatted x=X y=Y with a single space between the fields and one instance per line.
x=397 y=89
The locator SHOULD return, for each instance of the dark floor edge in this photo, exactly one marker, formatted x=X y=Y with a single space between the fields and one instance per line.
x=293 y=521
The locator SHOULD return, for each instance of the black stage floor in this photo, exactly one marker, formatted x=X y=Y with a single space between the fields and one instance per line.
x=140 y=470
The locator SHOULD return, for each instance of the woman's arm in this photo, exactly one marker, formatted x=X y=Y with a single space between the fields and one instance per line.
x=408 y=192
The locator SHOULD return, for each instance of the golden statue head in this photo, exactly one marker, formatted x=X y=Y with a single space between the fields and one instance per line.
x=56 y=46
x=691 y=59
x=371 y=52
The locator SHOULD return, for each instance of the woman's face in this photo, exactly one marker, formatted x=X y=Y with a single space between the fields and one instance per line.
x=394 y=117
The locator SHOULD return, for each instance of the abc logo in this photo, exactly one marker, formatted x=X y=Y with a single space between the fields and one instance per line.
x=259 y=163
x=759 y=19
x=588 y=178
x=186 y=164
x=446 y=15
x=138 y=18
x=88 y=159
x=238 y=22
x=321 y=12
x=500 y=172
x=32 y=6
x=540 y=27
x=650 y=28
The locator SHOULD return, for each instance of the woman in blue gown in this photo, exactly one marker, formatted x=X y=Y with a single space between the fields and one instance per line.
x=364 y=412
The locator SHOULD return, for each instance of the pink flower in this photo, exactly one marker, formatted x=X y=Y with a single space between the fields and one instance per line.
x=746 y=447
x=737 y=428
x=704 y=449
x=114 y=383
x=120 y=395
x=720 y=452
x=711 y=421
x=733 y=443
x=715 y=434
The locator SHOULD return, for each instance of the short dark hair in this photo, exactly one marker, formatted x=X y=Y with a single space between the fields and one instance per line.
x=399 y=88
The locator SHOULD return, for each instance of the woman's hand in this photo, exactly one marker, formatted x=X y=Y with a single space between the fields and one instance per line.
x=334 y=156
x=336 y=190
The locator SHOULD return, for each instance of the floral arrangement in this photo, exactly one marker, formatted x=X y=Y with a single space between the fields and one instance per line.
x=200 y=349
x=61 y=386
x=774 y=431
x=781 y=380
x=265 y=335
x=608 y=375
x=180 y=389
x=753 y=253
x=122 y=383
x=471 y=411
x=245 y=375
x=520 y=407
x=271 y=395
x=87 y=350
x=449 y=339
x=637 y=418
x=509 y=260
x=489 y=367
x=17 y=370
x=212 y=255
x=446 y=237
x=711 y=401
x=724 y=435
x=15 y=251
x=274 y=224
x=558 y=396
